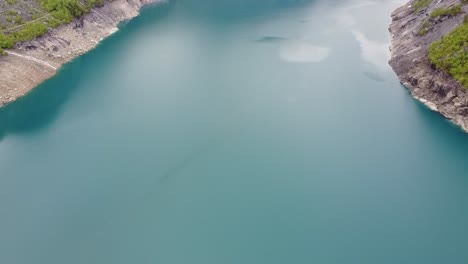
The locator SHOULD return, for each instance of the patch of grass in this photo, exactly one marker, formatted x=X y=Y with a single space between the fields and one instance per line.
x=30 y=31
x=12 y=2
x=92 y=3
x=450 y=54
x=6 y=42
x=420 y=4
x=11 y=13
x=18 y=19
x=424 y=27
x=64 y=11
x=53 y=23
x=61 y=12
x=62 y=16
x=450 y=11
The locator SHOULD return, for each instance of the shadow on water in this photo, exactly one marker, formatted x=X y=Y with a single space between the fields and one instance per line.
x=43 y=105
x=440 y=131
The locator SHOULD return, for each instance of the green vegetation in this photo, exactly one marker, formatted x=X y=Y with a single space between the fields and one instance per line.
x=18 y=19
x=450 y=54
x=424 y=27
x=30 y=31
x=11 y=13
x=6 y=41
x=420 y=4
x=450 y=11
x=92 y=3
x=56 y=12
x=11 y=2
x=64 y=11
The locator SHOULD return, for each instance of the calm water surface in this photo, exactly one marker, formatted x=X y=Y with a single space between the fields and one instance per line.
x=222 y=131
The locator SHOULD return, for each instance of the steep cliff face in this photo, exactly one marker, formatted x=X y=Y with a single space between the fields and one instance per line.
x=413 y=30
x=32 y=62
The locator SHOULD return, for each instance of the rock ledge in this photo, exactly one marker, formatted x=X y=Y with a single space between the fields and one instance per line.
x=436 y=89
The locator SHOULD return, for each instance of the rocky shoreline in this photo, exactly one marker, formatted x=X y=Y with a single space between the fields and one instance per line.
x=32 y=62
x=434 y=88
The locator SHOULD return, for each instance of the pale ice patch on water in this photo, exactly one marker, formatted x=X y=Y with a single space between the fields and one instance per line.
x=373 y=52
x=344 y=18
x=303 y=52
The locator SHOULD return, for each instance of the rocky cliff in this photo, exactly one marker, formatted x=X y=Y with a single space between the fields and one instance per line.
x=413 y=29
x=32 y=62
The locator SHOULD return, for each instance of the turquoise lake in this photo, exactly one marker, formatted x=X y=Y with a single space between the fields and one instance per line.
x=233 y=132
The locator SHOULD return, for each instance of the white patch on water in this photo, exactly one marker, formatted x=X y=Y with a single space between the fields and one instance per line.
x=302 y=52
x=373 y=52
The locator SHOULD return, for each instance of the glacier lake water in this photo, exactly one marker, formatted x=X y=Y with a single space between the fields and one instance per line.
x=229 y=132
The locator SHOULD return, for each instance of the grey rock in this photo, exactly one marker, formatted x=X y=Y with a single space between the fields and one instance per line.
x=436 y=89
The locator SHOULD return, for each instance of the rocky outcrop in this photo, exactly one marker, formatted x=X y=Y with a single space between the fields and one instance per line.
x=436 y=89
x=32 y=62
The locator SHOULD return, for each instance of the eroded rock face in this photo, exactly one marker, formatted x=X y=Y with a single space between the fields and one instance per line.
x=32 y=62
x=436 y=89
